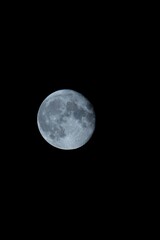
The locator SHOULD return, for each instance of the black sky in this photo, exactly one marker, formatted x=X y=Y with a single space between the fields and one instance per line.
x=42 y=56
x=44 y=63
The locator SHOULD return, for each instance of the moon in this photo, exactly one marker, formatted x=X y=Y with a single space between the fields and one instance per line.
x=66 y=119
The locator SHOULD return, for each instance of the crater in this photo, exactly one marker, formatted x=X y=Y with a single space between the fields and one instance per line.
x=55 y=107
x=90 y=118
x=57 y=132
x=71 y=106
x=79 y=113
x=43 y=122
x=84 y=125
x=89 y=106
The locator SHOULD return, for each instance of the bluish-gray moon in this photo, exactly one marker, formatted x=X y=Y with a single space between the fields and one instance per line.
x=66 y=119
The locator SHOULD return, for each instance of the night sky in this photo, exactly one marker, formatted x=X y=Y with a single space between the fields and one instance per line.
x=38 y=71
x=41 y=58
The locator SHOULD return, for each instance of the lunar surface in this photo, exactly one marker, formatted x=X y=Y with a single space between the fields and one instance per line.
x=66 y=119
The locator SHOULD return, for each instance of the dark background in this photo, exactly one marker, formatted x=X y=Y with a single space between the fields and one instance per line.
x=99 y=59
x=41 y=62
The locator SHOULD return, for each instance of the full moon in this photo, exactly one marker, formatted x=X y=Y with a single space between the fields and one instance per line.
x=66 y=119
